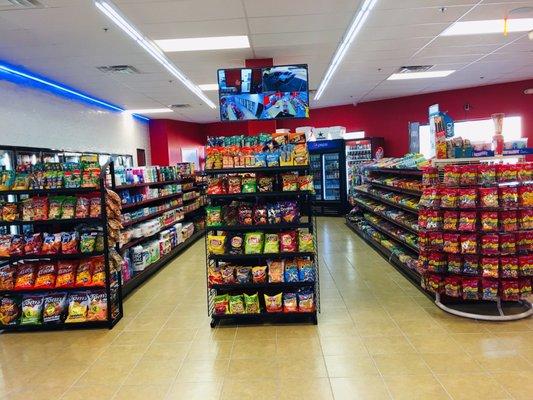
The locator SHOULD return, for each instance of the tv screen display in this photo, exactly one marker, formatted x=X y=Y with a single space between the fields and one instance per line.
x=263 y=93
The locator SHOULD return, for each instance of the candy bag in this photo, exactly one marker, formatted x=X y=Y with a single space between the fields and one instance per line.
x=509 y=267
x=271 y=243
x=508 y=243
x=236 y=304
x=487 y=174
x=448 y=198
x=467 y=221
x=489 y=244
x=488 y=197
x=451 y=243
x=46 y=276
x=467 y=198
x=274 y=304
x=97 y=307
x=509 y=196
x=506 y=173
x=430 y=198
x=524 y=285
x=489 y=267
x=32 y=308
x=471 y=265
x=305 y=242
x=526 y=219
x=525 y=196
x=66 y=274
x=468 y=175
x=275 y=271
x=251 y=304
x=489 y=289
x=78 y=303
x=450 y=220
x=454 y=264
x=452 y=286
x=525 y=265
x=253 y=243
x=259 y=274
x=54 y=306
x=288 y=242
x=470 y=288
x=510 y=290
x=509 y=221
x=489 y=221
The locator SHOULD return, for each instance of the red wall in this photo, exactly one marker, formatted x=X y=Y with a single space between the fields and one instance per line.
x=386 y=118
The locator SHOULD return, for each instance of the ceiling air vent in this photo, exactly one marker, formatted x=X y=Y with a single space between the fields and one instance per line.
x=414 y=68
x=118 y=69
x=179 y=106
x=7 y=5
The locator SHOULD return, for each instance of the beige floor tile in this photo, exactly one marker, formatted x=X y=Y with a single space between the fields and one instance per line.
x=175 y=335
x=400 y=364
x=337 y=346
x=94 y=391
x=415 y=387
x=37 y=392
x=464 y=386
x=342 y=330
x=478 y=343
x=167 y=351
x=518 y=383
x=255 y=332
x=309 y=367
x=434 y=343
x=151 y=323
x=504 y=361
x=388 y=345
x=204 y=370
x=105 y=373
x=250 y=389
x=153 y=372
x=254 y=349
x=296 y=331
x=446 y=363
x=195 y=391
x=210 y=349
x=306 y=388
x=368 y=387
x=142 y=392
x=299 y=347
x=421 y=326
x=386 y=327
x=350 y=367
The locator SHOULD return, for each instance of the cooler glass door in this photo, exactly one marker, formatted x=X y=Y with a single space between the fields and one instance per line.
x=331 y=173
x=316 y=171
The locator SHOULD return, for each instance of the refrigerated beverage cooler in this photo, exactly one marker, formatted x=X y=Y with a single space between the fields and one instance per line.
x=358 y=153
x=328 y=166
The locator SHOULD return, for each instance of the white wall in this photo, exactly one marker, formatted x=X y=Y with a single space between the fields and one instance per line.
x=31 y=117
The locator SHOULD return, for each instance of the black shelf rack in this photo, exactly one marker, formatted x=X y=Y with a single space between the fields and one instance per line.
x=308 y=221
x=386 y=201
x=410 y=192
x=113 y=278
x=384 y=216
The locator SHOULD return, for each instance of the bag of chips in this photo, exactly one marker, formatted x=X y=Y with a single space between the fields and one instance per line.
x=54 y=307
x=68 y=207
x=5 y=245
x=288 y=242
x=82 y=207
x=97 y=307
x=51 y=243
x=259 y=274
x=32 y=308
x=54 y=210
x=216 y=186
x=83 y=273
x=235 y=244
x=305 y=242
x=275 y=271
x=260 y=215
x=46 y=276
x=274 y=304
x=66 y=274
x=40 y=208
x=249 y=184
x=291 y=271
x=7 y=277
x=306 y=270
x=69 y=242
x=88 y=242
x=489 y=289
x=228 y=274
x=27 y=209
x=305 y=183
x=98 y=271
x=265 y=184
x=271 y=243
x=234 y=184
x=78 y=304
x=244 y=275
x=245 y=216
x=274 y=213
x=215 y=244
x=236 y=304
x=289 y=183
x=253 y=243
x=214 y=276
x=10 y=310
x=17 y=245
x=306 y=301
x=95 y=207
x=221 y=304
x=213 y=216
x=251 y=304
x=25 y=276
x=10 y=212
x=290 y=302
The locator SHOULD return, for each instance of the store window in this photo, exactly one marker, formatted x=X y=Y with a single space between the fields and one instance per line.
x=475 y=131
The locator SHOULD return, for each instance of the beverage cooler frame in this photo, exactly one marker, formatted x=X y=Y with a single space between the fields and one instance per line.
x=328 y=150
x=358 y=152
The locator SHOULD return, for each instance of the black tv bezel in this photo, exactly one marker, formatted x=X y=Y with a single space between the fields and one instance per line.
x=272 y=119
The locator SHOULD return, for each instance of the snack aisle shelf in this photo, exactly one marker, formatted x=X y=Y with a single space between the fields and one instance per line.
x=384 y=216
x=393 y=236
x=386 y=201
x=84 y=305
x=396 y=189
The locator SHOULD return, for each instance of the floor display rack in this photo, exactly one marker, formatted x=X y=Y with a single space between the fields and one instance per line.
x=230 y=277
x=159 y=228
x=75 y=284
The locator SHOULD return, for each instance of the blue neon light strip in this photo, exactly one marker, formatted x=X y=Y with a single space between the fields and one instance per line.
x=63 y=89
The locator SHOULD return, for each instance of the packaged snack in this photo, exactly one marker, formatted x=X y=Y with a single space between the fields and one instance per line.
x=98 y=271
x=435 y=240
x=509 y=196
x=509 y=267
x=433 y=220
x=54 y=211
x=506 y=173
x=454 y=264
x=524 y=172
x=524 y=285
x=305 y=183
x=245 y=215
x=234 y=184
x=274 y=213
x=77 y=307
x=436 y=262
x=470 y=288
x=487 y=174
x=69 y=242
x=488 y=197
x=10 y=310
x=17 y=245
x=82 y=207
x=471 y=265
x=451 y=243
x=33 y=243
x=46 y=276
x=448 y=198
x=468 y=175
x=216 y=186
x=260 y=215
x=236 y=304
x=468 y=243
x=490 y=267
x=509 y=221
x=290 y=302
x=289 y=183
x=97 y=307
x=452 y=286
x=305 y=242
x=525 y=265
x=306 y=301
x=95 y=207
x=274 y=304
x=259 y=274
x=66 y=274
x=88 y=242
x=27 y=209
x=525 y=196
x=489 y=289
x=215 y=244
x=25 y=276
x=249 y=184
x=467 y=221
x=288 y=242
x=230 y=214
x=526 y=219
x=434 y=283
x=6 y=179
x=430 y=198
x=10 y=212
x=510 y=290
x=5 y=245
x=213 y=216
x=275 y=271
x=54 y=306
x=99 y=244
x=271 y=243
x=253 y=243
x=291 y=271
x=525 y=241
x=235 y=244
x=265 y=184
x=508 y=243
x=68 y=207
x=490 y=243
x=260 y=160
x=40 y=208
x=251 y=304
x=489 y=221
x=306 y=270
x=32 y=309
x=452 y=175
x=244 y=275
x=450 y=220
x=228 y=274
x=51 y=243
x=214 y=276
x=7 y=277
x=83 y=273
x=290 y=212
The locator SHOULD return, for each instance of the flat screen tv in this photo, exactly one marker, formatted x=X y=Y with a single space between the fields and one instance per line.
x=276 y=92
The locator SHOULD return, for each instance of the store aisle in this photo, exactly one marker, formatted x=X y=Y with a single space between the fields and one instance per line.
x=378 y=338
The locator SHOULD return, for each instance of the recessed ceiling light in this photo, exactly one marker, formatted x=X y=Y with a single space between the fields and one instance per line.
x=149 y=111
x=419 y=75
x=204 y=43
x=209 y=87
x=489 y=26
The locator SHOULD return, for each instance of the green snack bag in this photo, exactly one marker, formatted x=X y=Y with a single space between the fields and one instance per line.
x=54 y=207
x=213 y=216
x=236 y=305
x=251 y=304
x=68 y=207
x=271 y=243
x=253 y=243
x=221 y=304
x=32 y=309
x=249 y=184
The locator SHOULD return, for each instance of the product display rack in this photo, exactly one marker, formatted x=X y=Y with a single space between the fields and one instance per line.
x=112 y=278
x=303 y=198
x=140 y=277
x=386 y=201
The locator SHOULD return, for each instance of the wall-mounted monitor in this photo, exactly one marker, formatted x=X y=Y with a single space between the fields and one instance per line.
x=276 y=92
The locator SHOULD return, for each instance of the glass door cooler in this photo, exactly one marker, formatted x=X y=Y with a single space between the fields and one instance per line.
x=358 y=153
x=316 y=171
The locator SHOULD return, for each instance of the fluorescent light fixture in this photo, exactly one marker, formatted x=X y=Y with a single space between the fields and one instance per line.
x=355 y=26
x=114 y=14
x=150 y=111
x=488 y=26
x=420 y=75
x=59 y=88
x=209 y=87
x=204 y=43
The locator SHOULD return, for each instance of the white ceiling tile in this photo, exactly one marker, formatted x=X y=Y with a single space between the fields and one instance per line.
x=299 y=23
x=273 y=8
x=413 y=16
x=296 y=38
x=185 y=29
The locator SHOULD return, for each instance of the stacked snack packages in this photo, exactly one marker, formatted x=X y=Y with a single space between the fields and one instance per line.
x=476 y=231
x=264 y=150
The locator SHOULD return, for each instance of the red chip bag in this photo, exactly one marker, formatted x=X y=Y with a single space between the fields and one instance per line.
x=66 y=274
x=83 y=273
x=25 y=276
x=288 y=242
x=46 y=276
x=33 y=243
x=51 y=243
x=98 y=271
x=17 y=245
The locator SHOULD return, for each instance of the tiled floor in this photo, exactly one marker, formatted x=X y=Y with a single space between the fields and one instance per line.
x=378 y=338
